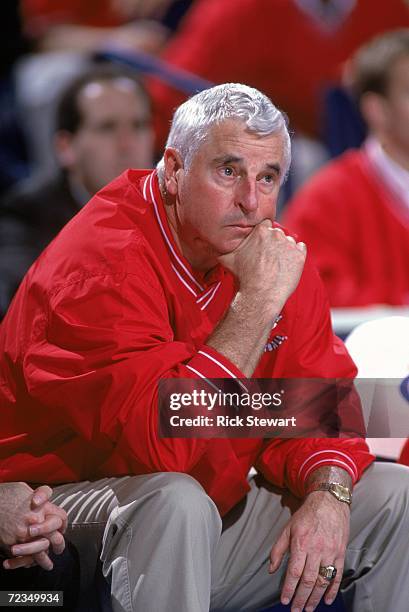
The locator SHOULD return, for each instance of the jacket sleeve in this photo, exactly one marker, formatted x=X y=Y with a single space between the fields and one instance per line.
x=108 y=341
x=317 y=353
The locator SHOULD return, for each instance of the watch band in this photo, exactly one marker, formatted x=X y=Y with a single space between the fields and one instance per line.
x=338 y=490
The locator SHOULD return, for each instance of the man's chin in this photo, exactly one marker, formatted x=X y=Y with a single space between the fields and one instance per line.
x=232 y=244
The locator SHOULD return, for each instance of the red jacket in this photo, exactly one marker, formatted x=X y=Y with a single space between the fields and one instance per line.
x=109 y=308
x=39 y=15
x=273 y=45
x=356 y=230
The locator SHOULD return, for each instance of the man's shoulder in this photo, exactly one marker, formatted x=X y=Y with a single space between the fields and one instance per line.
x=121 y=205
x=127 y=194
x=112 y=233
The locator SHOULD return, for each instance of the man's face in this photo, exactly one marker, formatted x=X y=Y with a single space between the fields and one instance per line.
x=396 y=104
x=231 y=185
x=115 y=133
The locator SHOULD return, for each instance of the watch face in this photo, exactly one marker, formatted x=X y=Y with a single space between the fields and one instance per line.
x=341 y=492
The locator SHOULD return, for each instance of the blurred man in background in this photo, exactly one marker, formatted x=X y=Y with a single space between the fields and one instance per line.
x=354 y=213
x=103 y=127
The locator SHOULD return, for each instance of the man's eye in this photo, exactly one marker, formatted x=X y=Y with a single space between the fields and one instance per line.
x=269 y=178
x=227 y=171
x=105 y=128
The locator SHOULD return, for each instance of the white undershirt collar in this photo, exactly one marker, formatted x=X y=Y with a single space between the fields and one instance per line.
x=396 y=177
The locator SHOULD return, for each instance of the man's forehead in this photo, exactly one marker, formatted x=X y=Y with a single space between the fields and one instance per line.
x=93 y=103
x=101 y=95
x=232 y=140
x=97 y=88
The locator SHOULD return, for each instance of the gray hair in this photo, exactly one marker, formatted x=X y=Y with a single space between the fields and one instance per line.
x=194 y=118
x=373 y=63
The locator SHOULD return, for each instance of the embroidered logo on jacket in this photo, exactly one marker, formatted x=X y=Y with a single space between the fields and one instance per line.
x=275 y=343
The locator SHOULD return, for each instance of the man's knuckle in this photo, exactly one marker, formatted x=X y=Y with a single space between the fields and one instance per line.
x=294 y=573
x=58 y=538
x=308 y=581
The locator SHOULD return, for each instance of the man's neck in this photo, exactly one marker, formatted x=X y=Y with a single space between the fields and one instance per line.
x=78 y=191
x=390 y=169
x=396 y=154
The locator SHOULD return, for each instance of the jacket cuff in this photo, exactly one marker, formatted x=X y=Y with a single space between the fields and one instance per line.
x=209 y=363
x=323 y=458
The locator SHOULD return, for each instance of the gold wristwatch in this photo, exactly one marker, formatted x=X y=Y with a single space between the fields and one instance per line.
x=339 y=491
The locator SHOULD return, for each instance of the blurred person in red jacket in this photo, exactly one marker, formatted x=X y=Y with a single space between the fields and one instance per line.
x=178 y=273
x=354 y=213
x=57 y=25
x=290 y=49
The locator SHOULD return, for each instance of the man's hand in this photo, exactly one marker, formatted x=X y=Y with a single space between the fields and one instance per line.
x=29 y=524
x=317 y=534
x=268 y=264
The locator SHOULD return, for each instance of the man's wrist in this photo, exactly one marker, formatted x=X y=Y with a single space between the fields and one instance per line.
x=332 y=479
x=340 y=492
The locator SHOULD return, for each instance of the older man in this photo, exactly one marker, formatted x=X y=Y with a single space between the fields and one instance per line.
x=182 y=273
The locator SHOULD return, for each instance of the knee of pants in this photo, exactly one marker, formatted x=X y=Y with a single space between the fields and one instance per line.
x=386 y=492
x=167 y=496
x=183 y=494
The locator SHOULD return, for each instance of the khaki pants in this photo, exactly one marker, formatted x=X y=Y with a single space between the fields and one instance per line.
x=165 y=548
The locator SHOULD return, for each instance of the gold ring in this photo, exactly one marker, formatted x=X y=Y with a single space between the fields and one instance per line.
x=328 y=572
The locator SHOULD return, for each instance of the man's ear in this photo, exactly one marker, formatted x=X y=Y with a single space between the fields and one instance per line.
x=173 y=168
x=64 y=149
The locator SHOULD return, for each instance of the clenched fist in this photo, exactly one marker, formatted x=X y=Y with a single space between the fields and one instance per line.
x=268 y=264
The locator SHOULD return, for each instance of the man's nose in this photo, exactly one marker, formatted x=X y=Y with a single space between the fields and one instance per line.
x=247 y=195
x=125 y=140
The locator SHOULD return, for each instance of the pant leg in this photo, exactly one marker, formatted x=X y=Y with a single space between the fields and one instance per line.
x=88 y=506
x=377 y=560
x=160 y=536
x=241 y=581
x=158 y=548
